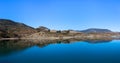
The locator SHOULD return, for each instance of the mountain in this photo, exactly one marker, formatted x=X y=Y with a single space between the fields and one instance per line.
x=12 y=29
x=96 y=30
x=9 y=28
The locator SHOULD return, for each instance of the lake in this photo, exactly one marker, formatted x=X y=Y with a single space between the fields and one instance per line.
x=60 y=52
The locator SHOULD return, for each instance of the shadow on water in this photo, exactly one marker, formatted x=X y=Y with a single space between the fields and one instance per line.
x=13 y=46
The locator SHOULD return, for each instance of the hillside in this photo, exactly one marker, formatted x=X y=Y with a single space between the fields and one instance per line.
x=9 y=28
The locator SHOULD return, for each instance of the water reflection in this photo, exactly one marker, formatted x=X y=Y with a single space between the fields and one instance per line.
x=59 y=51
x=97 y=41
x=10 y=46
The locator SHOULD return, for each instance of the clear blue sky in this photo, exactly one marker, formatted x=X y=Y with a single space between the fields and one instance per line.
x=63 y=14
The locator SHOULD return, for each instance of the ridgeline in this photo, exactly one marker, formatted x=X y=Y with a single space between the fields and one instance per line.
x=12 y=29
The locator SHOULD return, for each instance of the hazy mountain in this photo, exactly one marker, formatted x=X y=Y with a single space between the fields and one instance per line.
x=96 y=30
x=9 y=28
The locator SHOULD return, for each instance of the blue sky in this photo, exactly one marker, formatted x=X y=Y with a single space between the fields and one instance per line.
x=63 y=14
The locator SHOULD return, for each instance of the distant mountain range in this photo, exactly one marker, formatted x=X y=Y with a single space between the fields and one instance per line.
x=9 y=28
x=95 y=30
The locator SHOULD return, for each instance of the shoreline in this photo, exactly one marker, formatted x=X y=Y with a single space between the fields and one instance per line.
x=9 y=38
x=61 y=38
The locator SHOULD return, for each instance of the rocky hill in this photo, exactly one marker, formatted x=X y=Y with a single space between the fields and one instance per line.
x=9 y=28
x=43 y=29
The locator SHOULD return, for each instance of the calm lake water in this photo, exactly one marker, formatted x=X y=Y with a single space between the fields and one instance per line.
x=60 y=52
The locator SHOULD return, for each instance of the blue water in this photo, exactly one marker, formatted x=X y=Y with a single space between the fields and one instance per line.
x=75 y=52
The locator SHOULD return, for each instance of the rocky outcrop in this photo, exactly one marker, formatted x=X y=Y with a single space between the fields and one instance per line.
x=42 y=29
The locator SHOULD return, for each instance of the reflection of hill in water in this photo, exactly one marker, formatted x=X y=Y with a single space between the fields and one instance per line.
x=7 y=46
x=10 y=46
x=97 y=41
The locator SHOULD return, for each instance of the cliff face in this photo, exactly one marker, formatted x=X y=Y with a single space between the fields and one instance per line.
x=9 y=28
